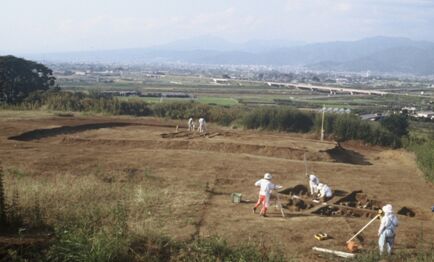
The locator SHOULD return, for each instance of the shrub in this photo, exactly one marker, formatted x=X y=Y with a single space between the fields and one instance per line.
x=280 y=119
x=351 y=127
x=425 y=154
x=2 y=201
x=396 y=124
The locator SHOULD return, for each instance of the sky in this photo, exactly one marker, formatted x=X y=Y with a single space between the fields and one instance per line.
x=28 y=26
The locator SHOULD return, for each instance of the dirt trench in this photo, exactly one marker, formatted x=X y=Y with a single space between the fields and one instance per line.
x=184 y=140
x=355 y=204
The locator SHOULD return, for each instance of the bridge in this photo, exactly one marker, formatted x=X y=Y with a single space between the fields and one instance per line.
x=329 y=89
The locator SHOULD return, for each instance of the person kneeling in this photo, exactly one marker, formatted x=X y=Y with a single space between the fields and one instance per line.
x=324 y=192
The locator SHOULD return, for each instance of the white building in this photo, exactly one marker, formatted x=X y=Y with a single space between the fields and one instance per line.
x=425 y=114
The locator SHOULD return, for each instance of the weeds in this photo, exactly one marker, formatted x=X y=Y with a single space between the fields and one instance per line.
x=87 y=239
x=3 y=221
x=423 y=253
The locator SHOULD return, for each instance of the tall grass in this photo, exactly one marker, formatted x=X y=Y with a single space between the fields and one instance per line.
x=92 y=237
x=279 y=118
x=423 y=147
x=98 y=217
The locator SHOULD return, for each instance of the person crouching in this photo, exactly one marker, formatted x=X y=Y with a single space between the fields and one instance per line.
x=324 y=192
x=266 y=187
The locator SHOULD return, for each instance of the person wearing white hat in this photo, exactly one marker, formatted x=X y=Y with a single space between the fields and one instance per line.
x=266 y=187
x=313 y=183
x=387 y=229
x=324 y=192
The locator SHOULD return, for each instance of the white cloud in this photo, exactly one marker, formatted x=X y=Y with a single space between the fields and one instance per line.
x=135 y=23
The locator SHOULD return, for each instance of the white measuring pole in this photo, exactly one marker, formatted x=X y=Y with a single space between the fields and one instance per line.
x=322 y=123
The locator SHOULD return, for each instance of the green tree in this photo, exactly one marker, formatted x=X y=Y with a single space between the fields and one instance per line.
x=396 y=124
x=20 y=77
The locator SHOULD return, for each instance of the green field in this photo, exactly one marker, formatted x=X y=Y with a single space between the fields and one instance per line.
x=210 y=100
x=245 y=92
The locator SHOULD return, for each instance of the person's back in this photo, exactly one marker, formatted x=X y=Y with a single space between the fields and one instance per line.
x=389 y=222
x=266 y=187
x=190 y=124
x=387 y=229
x=202 y=127
x=326 y=191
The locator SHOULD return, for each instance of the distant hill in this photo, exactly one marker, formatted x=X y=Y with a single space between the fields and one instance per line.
x=406 y=59
x=376 y=54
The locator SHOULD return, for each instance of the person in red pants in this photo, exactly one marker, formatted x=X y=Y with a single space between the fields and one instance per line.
x=266 y=187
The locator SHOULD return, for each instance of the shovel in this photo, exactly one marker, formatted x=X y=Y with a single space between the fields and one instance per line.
x=351 y=245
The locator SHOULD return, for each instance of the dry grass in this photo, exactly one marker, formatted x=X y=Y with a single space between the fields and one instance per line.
x=64 y=197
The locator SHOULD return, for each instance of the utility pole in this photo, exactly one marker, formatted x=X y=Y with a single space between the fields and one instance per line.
x=322 y=123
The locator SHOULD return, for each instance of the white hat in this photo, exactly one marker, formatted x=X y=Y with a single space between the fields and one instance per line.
x=387 y=208
x=268 y=176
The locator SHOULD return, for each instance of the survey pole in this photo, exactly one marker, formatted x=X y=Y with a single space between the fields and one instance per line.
x=322 y=123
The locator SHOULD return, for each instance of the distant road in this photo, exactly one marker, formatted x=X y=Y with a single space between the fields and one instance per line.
x=329 y=89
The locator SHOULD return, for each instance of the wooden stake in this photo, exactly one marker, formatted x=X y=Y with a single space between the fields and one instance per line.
x=334 y=252
x=280 y=204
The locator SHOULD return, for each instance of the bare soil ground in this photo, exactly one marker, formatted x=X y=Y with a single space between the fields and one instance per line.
x=199 y=173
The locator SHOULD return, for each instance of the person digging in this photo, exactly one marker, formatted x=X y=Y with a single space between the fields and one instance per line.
x=387 y=229
x=324 y=192
x=266 y=187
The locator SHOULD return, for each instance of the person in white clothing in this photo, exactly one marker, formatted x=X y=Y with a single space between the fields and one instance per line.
x=202 y=125
x=190 y=124
x=324 y=192
x=313 y=183
x=266 y=187
x=387 y=229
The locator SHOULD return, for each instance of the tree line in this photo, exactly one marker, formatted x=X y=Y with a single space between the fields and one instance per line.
x=31 y=85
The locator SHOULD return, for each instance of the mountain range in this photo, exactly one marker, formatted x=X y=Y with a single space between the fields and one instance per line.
x=377 y=54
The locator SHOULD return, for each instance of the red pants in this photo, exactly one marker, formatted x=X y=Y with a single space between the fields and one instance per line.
x=262 y=200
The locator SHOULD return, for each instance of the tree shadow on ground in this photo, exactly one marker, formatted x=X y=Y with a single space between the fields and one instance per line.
x=342 y=155
x=63 y=130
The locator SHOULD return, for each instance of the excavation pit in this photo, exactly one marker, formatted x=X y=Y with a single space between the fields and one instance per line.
x=298 y=190
x=356 y=204
x=405 y=211
x=358 y=199
x=335 y=210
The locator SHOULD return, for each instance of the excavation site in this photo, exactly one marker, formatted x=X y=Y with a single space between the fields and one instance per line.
x=183 y=183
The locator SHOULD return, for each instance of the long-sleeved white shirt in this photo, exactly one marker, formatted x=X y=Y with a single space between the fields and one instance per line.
x=313 y=184
x=325 y=191
x=266 y=187
x=388 y=221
